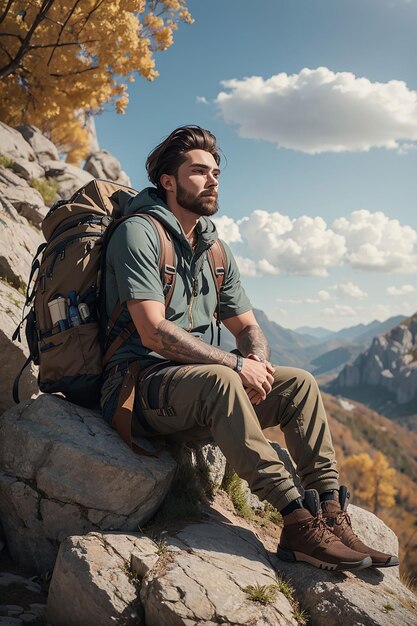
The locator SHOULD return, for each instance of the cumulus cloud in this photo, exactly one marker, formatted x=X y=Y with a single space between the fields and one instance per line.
x=339 y=310
x=227 y=228
x=350 y=290
x=201 y=100
x=303 y=245
x=318 y=110
x=400 y=291
x=377 y=242
x=324 y=295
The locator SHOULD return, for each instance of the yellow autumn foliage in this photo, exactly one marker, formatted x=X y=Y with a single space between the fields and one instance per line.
x=372 y=479
x=62 y=56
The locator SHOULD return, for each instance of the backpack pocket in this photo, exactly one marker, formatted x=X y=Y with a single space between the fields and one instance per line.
x=70 y=363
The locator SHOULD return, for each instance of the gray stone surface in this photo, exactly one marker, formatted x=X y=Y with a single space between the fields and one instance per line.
x=102 y=164
x=13 y=354
x=64 y=471
x=203 y=577
x=27 y=169
x=70 y=180
x=27 y=201
x=95 y=572
x=210 y=458
x=41 y=145
x=13 y=145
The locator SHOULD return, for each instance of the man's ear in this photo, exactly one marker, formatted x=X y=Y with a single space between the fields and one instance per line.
x=168 y=182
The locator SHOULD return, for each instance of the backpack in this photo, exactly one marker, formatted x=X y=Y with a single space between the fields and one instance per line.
x=67 y=329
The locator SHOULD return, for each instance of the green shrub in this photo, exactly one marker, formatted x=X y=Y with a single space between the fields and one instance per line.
x=6 y=161
x=47 y=188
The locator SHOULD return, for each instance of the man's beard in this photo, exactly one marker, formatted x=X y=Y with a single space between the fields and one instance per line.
x=199 y=205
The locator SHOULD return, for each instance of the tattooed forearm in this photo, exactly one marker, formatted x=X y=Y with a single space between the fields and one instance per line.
x=176 y=344
x=252 y=340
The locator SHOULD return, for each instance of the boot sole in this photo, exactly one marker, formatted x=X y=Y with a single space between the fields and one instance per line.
x=292 y=556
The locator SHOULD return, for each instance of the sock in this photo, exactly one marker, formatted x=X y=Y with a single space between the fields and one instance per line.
x=292 y=506
x=327 y=495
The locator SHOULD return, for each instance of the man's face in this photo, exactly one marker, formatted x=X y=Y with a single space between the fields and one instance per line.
x=197 y=183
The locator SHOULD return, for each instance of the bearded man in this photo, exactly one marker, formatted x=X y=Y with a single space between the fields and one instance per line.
x=189 y=390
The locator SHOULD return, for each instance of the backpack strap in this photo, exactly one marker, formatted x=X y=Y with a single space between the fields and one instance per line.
x=218 y=263
x=122 y=418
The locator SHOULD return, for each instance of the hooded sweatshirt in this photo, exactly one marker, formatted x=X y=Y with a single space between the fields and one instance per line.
x=132 y=272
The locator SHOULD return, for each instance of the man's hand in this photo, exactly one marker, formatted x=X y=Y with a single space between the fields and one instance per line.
x=257 y=376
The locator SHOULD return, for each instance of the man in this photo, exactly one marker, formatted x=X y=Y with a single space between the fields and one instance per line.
x=189 y=389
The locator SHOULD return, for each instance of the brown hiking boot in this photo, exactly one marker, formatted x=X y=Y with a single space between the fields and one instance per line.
x=338 y=520
x=306 y=537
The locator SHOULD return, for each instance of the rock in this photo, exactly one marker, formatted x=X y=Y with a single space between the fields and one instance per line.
x=70 y=180
x=209 y=458
x=13 y=354
x=64 y=471
x=54 y=168
x=43 y=147
x=102 y=164
x=95 y=571
x=13 y=144
x=207 y=568
x=26 y=200
x=123 y=179
x=27 y=169
x=389 y=367
x=18 y=244
x=371 y=597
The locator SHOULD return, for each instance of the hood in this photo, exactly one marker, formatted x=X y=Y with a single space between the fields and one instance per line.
x=148 y=201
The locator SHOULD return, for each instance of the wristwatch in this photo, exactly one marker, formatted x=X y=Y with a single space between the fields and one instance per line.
x=239 y=364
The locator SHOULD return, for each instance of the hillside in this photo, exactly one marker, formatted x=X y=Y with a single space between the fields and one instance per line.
x=355 y=429
x=385 y=375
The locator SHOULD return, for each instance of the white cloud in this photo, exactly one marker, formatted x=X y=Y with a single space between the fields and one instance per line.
x=227 y=228
x=350 y=290
x=303 y=245
x=339 y=310
x=247 y=267
x=318 y=110
x=376 y=242
x=400 y=291
x=324 y=295
x=201 y=100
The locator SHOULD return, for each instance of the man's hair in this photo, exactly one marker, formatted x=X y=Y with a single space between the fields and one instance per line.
x=170 y=153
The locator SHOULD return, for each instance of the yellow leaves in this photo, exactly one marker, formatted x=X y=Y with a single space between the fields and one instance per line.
x=372 y=479
x=75 y=53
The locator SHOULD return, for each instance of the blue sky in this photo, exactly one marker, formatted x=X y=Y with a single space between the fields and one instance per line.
x=318 y=191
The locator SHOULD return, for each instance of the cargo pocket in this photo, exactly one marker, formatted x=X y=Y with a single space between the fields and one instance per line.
x=71 y=363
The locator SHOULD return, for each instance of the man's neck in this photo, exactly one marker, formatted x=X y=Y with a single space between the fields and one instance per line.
x=187 y=219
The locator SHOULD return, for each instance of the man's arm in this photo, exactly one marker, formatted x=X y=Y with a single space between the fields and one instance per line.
x=249 y=336
x=175 y=343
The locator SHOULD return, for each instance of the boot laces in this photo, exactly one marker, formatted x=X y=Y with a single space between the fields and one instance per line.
x=323 y=531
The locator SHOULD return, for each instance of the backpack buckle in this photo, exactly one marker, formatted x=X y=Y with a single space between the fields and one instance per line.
x=219 y=271
x=170 y=269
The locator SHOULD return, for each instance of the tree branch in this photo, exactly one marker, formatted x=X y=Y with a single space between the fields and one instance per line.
x=6 y=10
x=13 y=65
x=63 y=25
x=87 y=69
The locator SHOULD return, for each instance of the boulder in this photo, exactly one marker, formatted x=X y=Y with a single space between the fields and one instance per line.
x=26 y=200
x=18 y=244
x=27 y=169
x=102 y=164
x=210 y=459
x=96 y=571
x=370 y=597
x=64 y=471
x=42 y=147
x=70 y=179
x=13 y=354
x=13 y=145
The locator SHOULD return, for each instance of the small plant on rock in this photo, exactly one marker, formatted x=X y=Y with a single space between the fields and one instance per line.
x=47 y=188
x=232 y=485
x=265 y=594
x=6 y=161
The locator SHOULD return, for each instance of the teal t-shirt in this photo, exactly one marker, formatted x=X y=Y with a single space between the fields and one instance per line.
x=132 y=272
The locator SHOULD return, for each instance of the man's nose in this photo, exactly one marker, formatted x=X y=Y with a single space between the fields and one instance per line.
x=212 y=180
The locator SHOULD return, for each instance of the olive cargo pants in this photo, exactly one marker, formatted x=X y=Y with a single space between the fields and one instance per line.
x=201 y=401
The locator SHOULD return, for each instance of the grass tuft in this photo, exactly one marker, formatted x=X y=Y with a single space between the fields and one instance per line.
x=47 y=188
x=265 y=594
x=6 y=161
x=232 y=485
